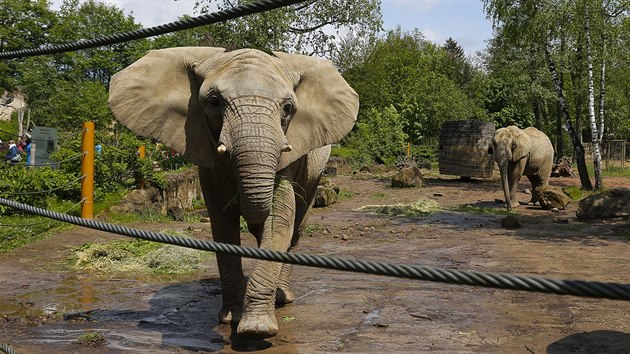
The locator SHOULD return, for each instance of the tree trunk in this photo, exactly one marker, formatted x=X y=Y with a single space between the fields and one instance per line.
x=602 y=90
x=595 y=138
x=575 y=140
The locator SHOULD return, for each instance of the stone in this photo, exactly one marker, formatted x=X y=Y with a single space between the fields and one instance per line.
x=340 y=164
x=609 y=204
x=176 y=213
x=511 y=222
x=365 y=169
x=551 y=197
x=408 y=177
x=326 y=194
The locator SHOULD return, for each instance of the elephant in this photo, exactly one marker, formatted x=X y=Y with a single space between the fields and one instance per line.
x=520 y=152
x=259 y=126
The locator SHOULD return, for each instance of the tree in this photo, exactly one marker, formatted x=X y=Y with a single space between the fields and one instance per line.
x=309 y=28
x=540 y=25
x=23 y=24
x=412 y=75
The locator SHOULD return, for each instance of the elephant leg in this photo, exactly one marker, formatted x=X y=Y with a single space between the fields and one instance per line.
x=259 y=319
x=308 y=174
x=225 y=229
x=536 y=182
x=514 y=176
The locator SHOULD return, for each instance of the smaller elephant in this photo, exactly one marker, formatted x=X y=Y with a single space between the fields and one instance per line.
x=521 y=152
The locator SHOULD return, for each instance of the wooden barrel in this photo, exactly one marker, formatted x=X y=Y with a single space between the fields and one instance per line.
x=466 y=148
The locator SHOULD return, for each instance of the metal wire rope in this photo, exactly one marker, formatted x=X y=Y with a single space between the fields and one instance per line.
x=492 y=280
x=46 y=191
x=7 y=349
x=220 y=16
x=43 y=222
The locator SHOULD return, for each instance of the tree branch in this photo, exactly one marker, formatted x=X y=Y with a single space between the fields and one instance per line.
x=310 y=29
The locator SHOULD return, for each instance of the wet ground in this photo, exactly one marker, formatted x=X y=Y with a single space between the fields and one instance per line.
x=44 y=307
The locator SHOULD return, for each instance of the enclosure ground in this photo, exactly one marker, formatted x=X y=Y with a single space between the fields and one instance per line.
x=44 y=307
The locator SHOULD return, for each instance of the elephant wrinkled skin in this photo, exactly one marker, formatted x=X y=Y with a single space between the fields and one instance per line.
x=521 y=152
x=259 y=126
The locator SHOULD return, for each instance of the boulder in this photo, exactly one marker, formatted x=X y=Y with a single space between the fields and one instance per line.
x=511 y=222
x=408 y=177
x=551 y=197
x=325 y=195
x=138 y=200
x=340 y=164
x=609 y=204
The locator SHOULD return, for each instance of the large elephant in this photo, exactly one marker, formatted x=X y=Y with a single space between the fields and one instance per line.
x=259 y=126
x=521 y=152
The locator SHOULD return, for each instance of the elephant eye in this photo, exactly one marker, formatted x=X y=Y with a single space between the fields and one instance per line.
x=513 y=145
x=287 y=110
x=214 y=100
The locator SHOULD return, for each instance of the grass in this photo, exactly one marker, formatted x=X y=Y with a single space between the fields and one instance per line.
x=145 y=215
x=138 y=257
x=417 y=208
x=91 y=340
x=379 y=196
x=345 y=194
x=467 y=208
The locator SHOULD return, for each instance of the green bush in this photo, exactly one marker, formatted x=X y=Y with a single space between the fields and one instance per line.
x=34 y=186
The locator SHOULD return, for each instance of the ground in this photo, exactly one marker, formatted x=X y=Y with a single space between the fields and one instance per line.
x=44 y=307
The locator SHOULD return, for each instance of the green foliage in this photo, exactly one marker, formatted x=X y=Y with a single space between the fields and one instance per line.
x=310 y=28
x=379 y=136
x=24 y=185
x=410 y=74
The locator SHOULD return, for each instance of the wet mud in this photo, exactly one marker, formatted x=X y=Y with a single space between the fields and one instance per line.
x=46 y=307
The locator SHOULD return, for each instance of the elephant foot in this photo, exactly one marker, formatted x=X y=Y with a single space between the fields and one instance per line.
x=258 y=326
x=284 y=296
x=230 y=316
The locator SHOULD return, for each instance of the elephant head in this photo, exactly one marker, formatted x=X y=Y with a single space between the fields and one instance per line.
x=258 y=111
x=511 y=147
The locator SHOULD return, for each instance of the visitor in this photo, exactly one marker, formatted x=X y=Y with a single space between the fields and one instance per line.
x=27 y=149
x=13 y=155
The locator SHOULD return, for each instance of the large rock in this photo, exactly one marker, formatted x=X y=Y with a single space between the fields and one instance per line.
x=609 y=204
x=551 y=197
x=339 y=164
x=408 y=177
x=326 y=194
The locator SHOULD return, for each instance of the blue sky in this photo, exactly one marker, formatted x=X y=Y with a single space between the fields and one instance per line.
x=464 y=20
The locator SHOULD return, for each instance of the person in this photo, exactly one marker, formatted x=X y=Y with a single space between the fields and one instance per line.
x=13 y=155
x=27 y=149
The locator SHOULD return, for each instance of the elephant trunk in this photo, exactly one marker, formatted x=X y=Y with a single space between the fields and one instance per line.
x=506 y=188
x=254 y=146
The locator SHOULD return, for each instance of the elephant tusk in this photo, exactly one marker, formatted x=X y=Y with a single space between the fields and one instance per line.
x=221 y=149
x=286 y=148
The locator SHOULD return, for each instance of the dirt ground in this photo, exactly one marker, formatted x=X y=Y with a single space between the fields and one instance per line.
x=46 y=308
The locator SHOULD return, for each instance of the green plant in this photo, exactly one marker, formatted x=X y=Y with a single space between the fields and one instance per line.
x=378 y=196
x=91 y=340
x=344 y=194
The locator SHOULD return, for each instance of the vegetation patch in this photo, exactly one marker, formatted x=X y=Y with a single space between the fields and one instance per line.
x=417 y=208
x=138 y=256
x=467 y=208
x=577 y=193
x=91 y=340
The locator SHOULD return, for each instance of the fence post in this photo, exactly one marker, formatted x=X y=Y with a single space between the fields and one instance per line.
x=87 y=171
x=141 y=154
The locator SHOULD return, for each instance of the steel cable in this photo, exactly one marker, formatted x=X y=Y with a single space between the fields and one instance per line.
x=219 y=16
x=7 y=349
x=492 y=280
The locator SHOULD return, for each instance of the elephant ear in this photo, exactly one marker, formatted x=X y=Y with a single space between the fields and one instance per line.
x=156 y=97
x=327 y=106
x=522 y=146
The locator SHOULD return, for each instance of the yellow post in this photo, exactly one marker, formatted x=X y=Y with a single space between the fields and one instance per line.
x=87 y=170
x=141 y=153
x=408 y=150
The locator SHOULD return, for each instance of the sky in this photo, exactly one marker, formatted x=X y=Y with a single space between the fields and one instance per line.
x=463 y=20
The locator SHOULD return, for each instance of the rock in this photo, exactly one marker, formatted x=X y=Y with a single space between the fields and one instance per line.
x=562 y=168
x=408 y=177
x=204 y=219
x=551 y=197
x=527 y=191
x=511 y=222
x=326 y=195
x=609 y=204
x=138 y=200
x=176 y=213
x=330 y=171
x=424 y=164
x=365 y=169
x=340 y=164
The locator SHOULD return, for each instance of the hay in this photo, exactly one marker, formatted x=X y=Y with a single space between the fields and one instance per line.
x=419 y=207
x=138 y=256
